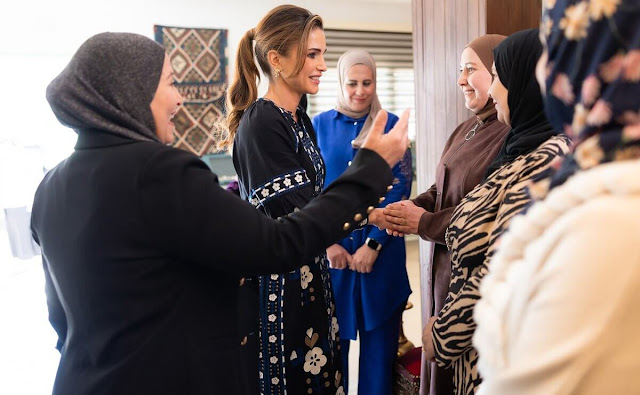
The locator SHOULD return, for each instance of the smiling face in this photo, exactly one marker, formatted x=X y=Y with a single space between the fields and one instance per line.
x=359 y=88
x=308 y=79
x=165 y=104
x=474 y=80
x=500 y=94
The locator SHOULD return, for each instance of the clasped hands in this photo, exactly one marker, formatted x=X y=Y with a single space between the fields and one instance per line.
x=361 y=261
x=399 y=218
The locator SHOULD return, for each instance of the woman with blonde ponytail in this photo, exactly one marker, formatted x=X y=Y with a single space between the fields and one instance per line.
x=289 y=321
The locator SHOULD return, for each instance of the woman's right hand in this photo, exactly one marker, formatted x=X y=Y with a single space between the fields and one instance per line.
x=393 y=145
x=339 y=258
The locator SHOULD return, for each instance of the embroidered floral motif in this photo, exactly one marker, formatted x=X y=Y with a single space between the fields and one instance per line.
x=277 y=186
x=600 y=114
x=305 y=276
x=631 y=66
x=589 y=153
x=600 y=8
x=314 y=360
x=562 y=89
x=579 y=120
x=611 y=69
x=590 y=90
x=334 y=328
x=575 y=21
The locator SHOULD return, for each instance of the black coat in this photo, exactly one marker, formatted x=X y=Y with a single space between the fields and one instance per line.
x=143 y=253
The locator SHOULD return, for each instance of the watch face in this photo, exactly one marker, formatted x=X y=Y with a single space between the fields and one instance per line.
x=373 y=244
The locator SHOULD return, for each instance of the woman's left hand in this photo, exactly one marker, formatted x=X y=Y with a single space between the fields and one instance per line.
x=427 y=340
x=363 y=259
x=403 y=217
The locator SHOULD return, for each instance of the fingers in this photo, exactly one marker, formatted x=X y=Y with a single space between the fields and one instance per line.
x=394 y=212
x=394 y=233
x=377 y=128
x=401 y=128
x=395 y=220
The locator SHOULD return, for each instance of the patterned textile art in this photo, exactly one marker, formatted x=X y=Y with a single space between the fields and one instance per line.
x=200 y=66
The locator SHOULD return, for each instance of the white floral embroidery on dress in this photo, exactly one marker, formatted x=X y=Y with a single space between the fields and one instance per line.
x=334 y=328
x=340 y=391
x=273 y=360
x=294 y=355
x=276 y=186
x=272 y=317
x=274 y=276
x=273 y=297
x=275 y=381
x=287 y=182
x=272 y=339
x=314 y=361
x=305 y=276
x=299 y=178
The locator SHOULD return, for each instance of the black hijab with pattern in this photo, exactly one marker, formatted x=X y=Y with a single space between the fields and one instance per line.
x=593 y=81
x=515 y=59
x=108 y=86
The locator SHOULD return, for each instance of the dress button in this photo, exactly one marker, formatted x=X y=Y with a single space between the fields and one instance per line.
x=349 y=163
x=370 y=209
x=346 y=226
x=358 y=217
x=390 y=187
x=355 y=123
x=381 y=199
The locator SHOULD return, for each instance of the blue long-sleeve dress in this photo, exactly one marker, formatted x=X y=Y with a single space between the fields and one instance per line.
x=377 y=295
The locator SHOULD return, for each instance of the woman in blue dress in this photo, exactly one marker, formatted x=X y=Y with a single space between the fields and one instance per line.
x=368 y=268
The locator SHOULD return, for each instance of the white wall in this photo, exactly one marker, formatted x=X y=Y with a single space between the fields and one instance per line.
x=40 y=37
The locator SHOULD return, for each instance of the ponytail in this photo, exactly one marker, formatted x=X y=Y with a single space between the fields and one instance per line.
x=244 y=89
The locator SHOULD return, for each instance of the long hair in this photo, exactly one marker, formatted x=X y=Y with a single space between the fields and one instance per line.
x=280 y=30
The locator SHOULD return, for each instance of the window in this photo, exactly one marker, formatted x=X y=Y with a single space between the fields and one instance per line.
x=393 y=53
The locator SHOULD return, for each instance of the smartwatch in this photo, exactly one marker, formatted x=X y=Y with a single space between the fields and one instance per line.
x=373 y=244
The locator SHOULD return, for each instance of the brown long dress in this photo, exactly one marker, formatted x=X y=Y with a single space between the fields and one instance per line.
x=464 y=161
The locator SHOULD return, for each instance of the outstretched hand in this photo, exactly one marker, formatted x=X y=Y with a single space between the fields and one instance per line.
x=393 y=145
x=403 y=217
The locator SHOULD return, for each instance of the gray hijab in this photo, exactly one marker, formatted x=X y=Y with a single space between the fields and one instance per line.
x=348 y=59
x=108 y=86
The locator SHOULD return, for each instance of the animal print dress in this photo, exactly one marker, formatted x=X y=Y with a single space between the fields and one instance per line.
x=477 y=222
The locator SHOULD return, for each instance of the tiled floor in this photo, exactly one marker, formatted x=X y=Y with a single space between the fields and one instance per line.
x=28 y=359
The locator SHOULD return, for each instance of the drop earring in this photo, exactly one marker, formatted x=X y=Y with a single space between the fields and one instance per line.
x=277 y=73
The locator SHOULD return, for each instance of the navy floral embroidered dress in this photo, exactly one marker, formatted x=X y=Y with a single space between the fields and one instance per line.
x=292 y=326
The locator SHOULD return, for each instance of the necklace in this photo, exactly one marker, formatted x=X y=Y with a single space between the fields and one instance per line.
x=472 y=132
